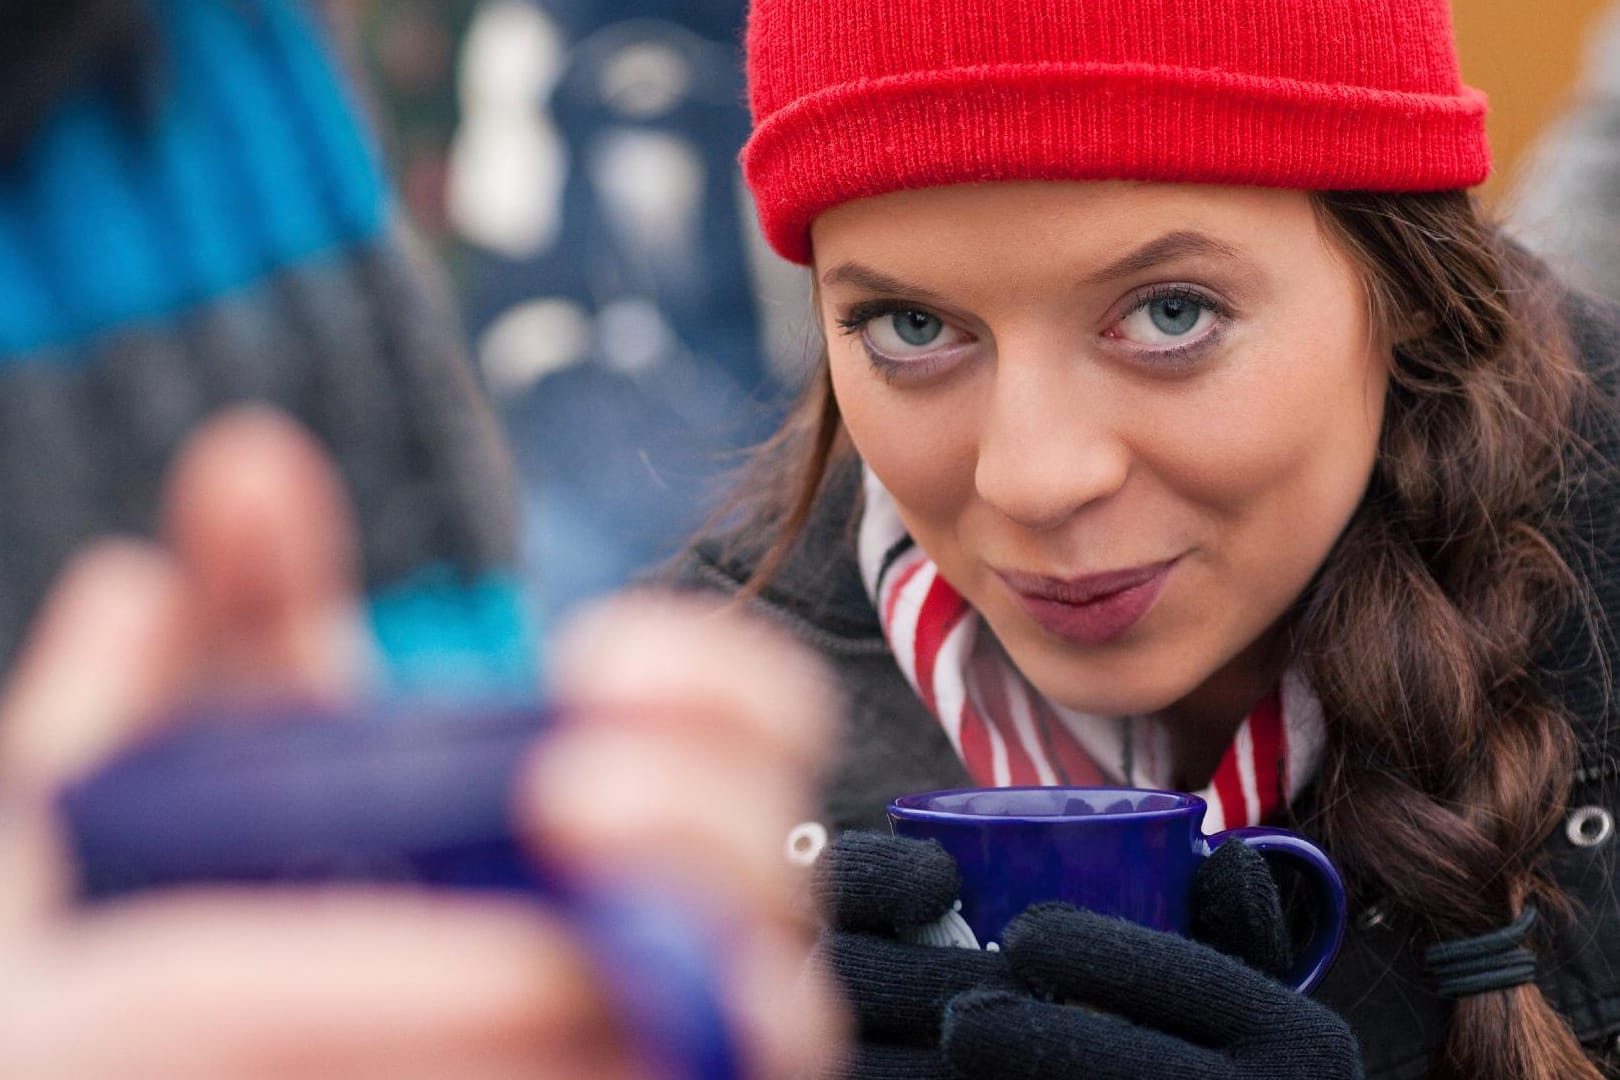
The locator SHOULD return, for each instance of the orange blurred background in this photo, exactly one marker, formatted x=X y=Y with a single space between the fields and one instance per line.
x=1527 y=55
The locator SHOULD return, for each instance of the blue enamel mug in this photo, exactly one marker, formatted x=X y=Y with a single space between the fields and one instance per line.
x=1125 y=852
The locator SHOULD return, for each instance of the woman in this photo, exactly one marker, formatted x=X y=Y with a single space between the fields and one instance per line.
x=1181 y=422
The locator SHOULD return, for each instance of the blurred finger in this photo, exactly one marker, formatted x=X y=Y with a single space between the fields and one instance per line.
x=616 y=804
x=612 y=802
x=794 y=1021
x=302 y=984
x=657 y=659
x=692 y=742
x=108 y=649
x=258 y=518
x=110 y=646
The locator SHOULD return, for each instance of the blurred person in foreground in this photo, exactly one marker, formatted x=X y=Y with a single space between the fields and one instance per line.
x=194 y=250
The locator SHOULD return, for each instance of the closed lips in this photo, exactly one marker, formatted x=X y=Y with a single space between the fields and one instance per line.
x=1082 y=590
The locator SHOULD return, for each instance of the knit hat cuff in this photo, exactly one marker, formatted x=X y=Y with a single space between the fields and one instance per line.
x=1098 y=121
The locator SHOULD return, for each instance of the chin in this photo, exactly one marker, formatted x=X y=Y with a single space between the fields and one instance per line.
x=1108 y=688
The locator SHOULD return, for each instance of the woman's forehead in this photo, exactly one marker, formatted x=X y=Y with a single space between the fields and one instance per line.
x=1094 y=230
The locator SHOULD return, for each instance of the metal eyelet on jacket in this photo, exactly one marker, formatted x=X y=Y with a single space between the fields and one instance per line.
x=1589 y=826
x=805 y=842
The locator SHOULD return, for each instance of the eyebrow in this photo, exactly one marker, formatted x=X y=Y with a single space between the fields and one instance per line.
x=1181 y=244
x=864 y=277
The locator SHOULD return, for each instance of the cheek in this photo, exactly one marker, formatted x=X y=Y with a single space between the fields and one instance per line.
x=1291 y=450
x=920 y=443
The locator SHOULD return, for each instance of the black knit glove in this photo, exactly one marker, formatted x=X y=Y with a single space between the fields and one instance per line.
x=1150 y=1002
x=875 y=889
x=1105 y=999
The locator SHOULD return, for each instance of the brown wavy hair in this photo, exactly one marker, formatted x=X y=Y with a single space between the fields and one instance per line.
x=1448 y=760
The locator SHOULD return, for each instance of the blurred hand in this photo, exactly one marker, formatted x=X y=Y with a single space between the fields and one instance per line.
x=692 y=741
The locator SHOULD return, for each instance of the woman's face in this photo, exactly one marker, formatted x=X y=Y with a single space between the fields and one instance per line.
x=1128 y=421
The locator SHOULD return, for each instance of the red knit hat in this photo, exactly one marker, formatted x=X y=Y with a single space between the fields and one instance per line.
x=853 y=98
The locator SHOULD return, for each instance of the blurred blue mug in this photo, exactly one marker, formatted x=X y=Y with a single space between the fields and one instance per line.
x=1124 y=852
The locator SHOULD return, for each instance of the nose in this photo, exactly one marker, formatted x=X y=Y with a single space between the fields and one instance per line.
x=1047 y=448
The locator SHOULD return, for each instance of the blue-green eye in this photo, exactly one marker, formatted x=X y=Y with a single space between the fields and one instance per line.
x=905 y=342
x=916 y=328
x=909 y=333
x=1171 y=318
x=1174 y=316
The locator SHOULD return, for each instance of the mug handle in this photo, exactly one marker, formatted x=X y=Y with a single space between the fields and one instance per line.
x=1314 y=959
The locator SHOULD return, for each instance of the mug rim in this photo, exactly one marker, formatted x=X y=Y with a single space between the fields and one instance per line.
x=905 y=806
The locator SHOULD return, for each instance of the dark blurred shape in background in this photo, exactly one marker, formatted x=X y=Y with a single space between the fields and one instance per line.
x=411 y=48
x=575 y=163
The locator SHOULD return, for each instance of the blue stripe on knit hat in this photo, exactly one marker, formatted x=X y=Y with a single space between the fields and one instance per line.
x=347 y=164
x=249 y=108
x=27 y=312
x=192 y=188
x=252 y=163
x=95 y=242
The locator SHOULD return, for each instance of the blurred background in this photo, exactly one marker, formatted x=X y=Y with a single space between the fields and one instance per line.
x=574 y=163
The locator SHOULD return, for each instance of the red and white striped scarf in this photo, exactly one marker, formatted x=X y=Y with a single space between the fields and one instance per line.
x=1007 y=733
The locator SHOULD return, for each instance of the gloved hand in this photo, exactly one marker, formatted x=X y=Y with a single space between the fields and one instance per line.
x=1105 y=999
x=874 y=890
x=1149 y=1001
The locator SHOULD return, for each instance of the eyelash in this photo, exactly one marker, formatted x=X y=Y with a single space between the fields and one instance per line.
x=1179 y=355
x=864 y=312
x=855 y=320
